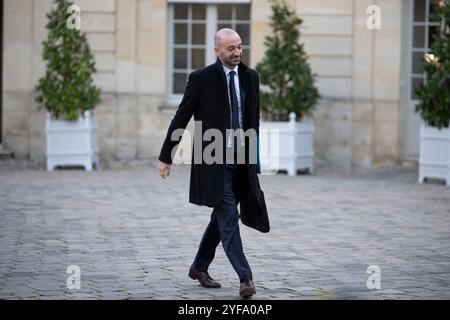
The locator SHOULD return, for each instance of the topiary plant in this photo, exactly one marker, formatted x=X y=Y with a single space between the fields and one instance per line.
x=434 y=94
x=66 y=90
x=288 y=83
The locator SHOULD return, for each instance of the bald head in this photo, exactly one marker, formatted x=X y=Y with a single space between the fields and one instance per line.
x=224 y=33
x=228 y=47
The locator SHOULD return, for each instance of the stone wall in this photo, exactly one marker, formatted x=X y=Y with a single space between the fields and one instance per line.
x=17 y=78
x=128 y=40
x=358 y=75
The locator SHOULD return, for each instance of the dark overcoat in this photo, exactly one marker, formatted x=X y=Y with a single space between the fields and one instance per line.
x=206 y=98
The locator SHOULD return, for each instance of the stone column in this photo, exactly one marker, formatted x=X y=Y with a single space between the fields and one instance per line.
x=17 y=75
x=260 y=13
x=126 y=44
x=151 y=75
x=37 y=123
x=386 y=82
x=362 y=89
x=327 y=34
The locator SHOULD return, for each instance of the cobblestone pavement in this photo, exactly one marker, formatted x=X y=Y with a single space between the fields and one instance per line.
x=134 y=235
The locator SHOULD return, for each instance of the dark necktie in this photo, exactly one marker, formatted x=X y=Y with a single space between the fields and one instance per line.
x=234 y=103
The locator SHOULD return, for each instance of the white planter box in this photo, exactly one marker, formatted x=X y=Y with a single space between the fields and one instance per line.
x=72 y=142
x=287 y=145
x=434 y=159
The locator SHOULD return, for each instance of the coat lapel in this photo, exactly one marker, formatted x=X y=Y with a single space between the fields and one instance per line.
x=243 y=95
x=244 y=82
x=222 y=99
x=222 y=79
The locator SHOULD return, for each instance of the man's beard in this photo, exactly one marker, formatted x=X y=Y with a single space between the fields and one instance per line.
x=234 y=62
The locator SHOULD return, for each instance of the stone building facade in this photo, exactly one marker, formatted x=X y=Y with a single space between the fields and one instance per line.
x=145 y=48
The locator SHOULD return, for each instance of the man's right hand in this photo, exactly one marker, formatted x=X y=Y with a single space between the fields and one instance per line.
x=164 y=169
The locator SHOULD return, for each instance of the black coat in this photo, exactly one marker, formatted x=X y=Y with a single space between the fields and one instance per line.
x=206 y=98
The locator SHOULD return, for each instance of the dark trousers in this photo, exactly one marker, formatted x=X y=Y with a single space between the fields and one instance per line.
x=224 y=227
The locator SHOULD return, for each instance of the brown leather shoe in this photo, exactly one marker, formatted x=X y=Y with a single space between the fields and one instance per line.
x=247 y=288
x=204 y=278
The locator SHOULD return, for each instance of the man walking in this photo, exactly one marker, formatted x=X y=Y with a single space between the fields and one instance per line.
x=223 y=96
